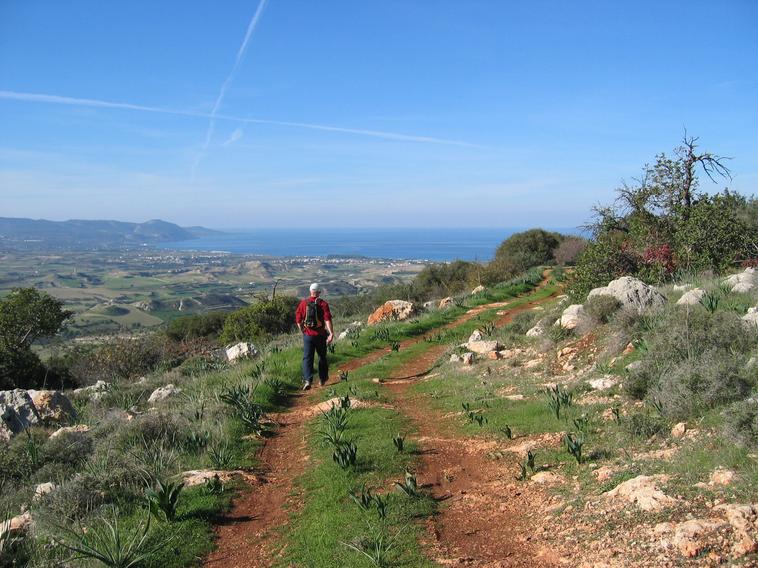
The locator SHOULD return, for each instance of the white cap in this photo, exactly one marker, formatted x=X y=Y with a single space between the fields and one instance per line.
x=315 y=287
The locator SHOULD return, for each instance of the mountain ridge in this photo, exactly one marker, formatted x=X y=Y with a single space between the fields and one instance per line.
x=86 y=233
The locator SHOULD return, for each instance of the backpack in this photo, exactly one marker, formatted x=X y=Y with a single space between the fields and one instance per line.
x=313 y=317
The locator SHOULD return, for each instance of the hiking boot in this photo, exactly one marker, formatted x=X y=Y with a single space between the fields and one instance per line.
x=306 y=386
x=322 y=382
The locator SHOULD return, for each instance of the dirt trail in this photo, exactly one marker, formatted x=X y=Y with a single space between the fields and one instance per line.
x=479 y=522
x=247 y=535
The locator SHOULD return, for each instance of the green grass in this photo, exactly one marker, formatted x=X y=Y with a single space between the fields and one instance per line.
x=329 y=517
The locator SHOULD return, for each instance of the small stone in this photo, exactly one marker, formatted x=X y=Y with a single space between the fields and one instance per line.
x=455 y=358
x=721 y=476
x=493 y=355
x=163 y=393
x=467 y=358
x=629 y=349
x=678 y=430
x=43 y=489
x=78 y=430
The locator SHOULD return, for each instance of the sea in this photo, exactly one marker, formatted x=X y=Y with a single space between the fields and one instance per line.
x=400 y=244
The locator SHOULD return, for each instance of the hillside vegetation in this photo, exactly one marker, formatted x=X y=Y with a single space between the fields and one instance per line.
x=492 y=422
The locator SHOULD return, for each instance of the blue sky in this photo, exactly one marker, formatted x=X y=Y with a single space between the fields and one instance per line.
x=412 y=113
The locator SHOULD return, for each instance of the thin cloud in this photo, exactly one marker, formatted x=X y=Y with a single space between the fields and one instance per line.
x=236 y=135
x=95 y=103
x=226 y=84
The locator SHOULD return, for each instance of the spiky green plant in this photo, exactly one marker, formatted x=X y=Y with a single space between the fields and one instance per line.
x=277 y=386
x=214 y=485
x=557 y=399
x=153 y=459
x=108 y=542
x=409 y=486
x=399 y=442
x=345 y=402
x=163 y=500
x=507 y=431
x=530 y=460
x=345 y=455
x=197 y=441
x=344 y=375
x=582 y=422
x=331 y=348
x=574 y=444
x=381 y=507
x=395 y=346
x=221 y=455
x=523 y=474
x=364 y=499
x=466 y=407
x=377 y=547
x=336 y=417
x=710 y=301
x=616 y=413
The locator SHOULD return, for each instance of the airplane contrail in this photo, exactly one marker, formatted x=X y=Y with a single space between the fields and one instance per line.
x=225 y=85
x=97 y=103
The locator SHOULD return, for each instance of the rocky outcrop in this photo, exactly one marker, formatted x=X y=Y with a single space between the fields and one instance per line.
x=643 y=492
x=572 y=317
x=163 y=393
x=53 y=406
x=43 y=489
x=632 y=294
x=94 y=392
x=392 y=310
x=742 y=282
x=476 y=335
x=445 y=303
x=604 y=383
x=478 y=290
x=538 y=330
x=751 y=316
x=15 y=526
x=78 y=431
x=17 y=413
x=482 y=347
x=691 y=298
x=690 y=537
x=240 y=351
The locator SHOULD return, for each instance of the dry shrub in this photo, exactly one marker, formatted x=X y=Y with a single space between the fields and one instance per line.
x=601 y=308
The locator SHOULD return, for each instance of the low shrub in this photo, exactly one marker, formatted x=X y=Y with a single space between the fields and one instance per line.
x=741 y=423
x=601 y=308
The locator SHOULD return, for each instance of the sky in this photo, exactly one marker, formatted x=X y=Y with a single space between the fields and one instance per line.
x=391 y=113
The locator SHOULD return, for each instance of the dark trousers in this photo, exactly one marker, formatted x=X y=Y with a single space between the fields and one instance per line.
x=314 y=344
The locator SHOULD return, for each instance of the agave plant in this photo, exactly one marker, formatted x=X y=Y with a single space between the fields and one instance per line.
x=214 y=485
x=364 y=499
x=574 y=445
x=376 y=548
x=399 y=442
x=582 y=422
x=277 y=386
x=345 y=402
x=336 y=417
x=221 y=455
x=163 y=501
x=343 y=375
x=409 y=486
x=710 y=301
x=345 y=455
x=381 y=507
x=616 y=412
x=530 y=460
x=109 y=543
x=557 y=399
x=395 y=346
x=507 y=431
x=523 y=475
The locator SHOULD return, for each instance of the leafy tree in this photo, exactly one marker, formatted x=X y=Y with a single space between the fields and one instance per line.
x=663 y=222
x=522 y=251
x=259 y=321
x=196 y=326
x=26 y=315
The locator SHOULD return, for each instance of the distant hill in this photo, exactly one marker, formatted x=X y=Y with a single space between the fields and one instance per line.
x=82 y=234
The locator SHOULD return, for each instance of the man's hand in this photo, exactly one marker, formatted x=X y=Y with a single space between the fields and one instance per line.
x=329 y=339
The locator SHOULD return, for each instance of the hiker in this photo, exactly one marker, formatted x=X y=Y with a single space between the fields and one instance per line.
x=314 y=320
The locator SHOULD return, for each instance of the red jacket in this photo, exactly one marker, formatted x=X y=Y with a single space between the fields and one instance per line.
x=326 y=316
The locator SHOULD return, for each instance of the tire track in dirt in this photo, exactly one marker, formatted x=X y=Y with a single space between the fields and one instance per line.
x=247 y=536
x=479 y=521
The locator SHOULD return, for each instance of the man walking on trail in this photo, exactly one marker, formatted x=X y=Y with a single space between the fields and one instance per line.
x=314 y=320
